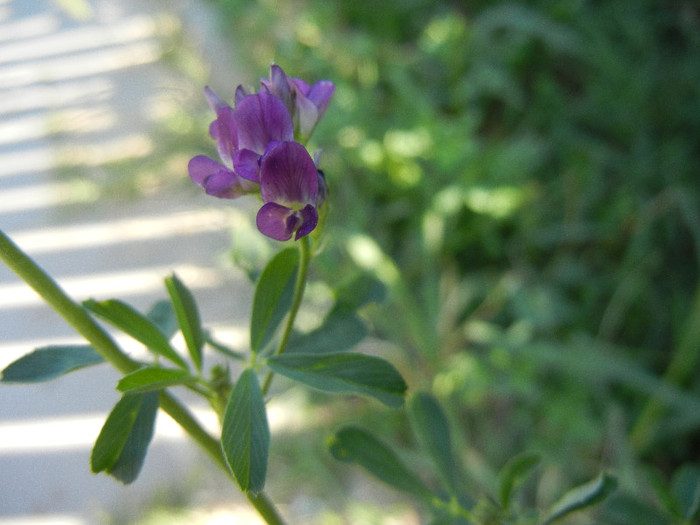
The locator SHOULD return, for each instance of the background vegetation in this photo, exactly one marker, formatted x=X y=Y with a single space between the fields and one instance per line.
x=523 y=176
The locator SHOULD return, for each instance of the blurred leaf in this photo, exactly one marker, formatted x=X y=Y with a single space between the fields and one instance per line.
x=583 y=496
x=358 y=291
x=131 y=322
x=273 y=297
x=153 y=378
x=355 y=445
x=432 y=428
x=222 y=348
x=338 y=333
x=623 y=509
x=123 y=441
x=50 y=362
x=188 y=318
x=162 y=315
x=344 y=372
x=245 y=436
x=512 y=474
x=685 y=488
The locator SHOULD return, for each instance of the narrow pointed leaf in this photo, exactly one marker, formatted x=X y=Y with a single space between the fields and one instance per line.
x=115 y=432
x=162 y=315
x=188 y=318
x=356 y=445
x=344 y=372
x=224 y=349
x=128 y=465
x=138 y=326
x=433 y=431
x=245 y=436
x=273 y=297
x=338 y=333
x=581 y=497
x=512 y=474
x=153 y=378
x=50 y=362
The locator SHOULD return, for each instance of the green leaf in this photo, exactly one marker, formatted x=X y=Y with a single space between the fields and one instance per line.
x=245 y=436
x=273 y=297
x=162 y=315
x=128 y=466
x=685 y=488
x=344 y=372
x=50 y=362
x=188 y=318
x=224 y=349
x=153 y=378
x=338 y=333
x=513 y=473
x=355 y=445
x=123 y=441
x=358 y=291
x=131 y=322
x=583 y=496
x=433 y=431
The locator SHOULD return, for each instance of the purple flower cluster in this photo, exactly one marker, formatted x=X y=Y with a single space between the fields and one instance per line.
x=260 y=145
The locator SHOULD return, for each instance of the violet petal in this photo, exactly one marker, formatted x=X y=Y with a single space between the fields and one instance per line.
x=260 y=119
x=247 y=164
x=201 y=167
x=288 y=175
x=276 y=221
x=224 y=131
x=320 y=94
x=309 y=220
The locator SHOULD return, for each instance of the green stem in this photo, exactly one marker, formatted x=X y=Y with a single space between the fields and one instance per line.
x=56 y=297
x=299 y=286
x=80 y=320
x=212 y=447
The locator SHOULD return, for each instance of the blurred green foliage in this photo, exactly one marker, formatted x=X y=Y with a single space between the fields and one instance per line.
x=524 y=177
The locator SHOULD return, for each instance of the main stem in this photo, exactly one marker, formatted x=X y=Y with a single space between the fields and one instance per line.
x=78 y=318
x=299 y=286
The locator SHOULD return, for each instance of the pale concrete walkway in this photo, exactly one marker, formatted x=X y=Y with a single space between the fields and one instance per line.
x=87 y=86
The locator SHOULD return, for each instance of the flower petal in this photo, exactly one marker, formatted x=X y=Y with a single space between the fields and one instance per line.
x=201 y=167
x=224 y=131
x=288 y=175
x=277 y=221
x=261 y=119
x=279 y=85
x=280 y=222
x=309 y=220
x=308 y=116
x=214 y=100
x=320 y=94
x=218 y=180
x=247 y=164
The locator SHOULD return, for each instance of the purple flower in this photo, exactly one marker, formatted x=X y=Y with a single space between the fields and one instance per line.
x=307 y=104
x=258 y=153
x=289 y=187
x=242 y=137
